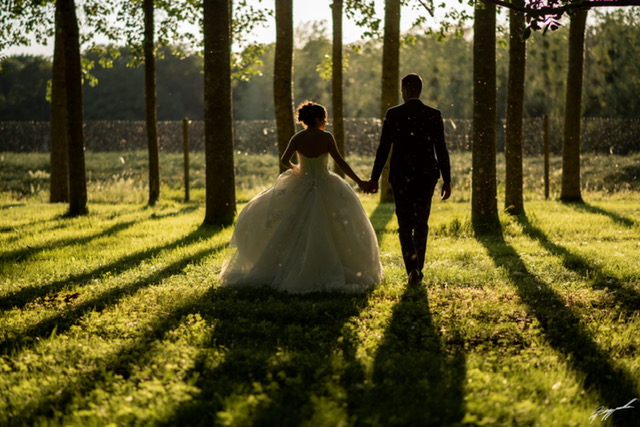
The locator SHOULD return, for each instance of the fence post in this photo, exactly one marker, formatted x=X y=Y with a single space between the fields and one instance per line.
x=185 y=147
x=546 y=157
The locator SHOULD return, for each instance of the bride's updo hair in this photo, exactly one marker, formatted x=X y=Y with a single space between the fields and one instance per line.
x=309 y=111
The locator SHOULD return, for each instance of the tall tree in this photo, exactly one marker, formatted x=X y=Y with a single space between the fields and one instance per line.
x=570 y=191
x=484 y=206
x=218 y=114
x=73 y=94
x=151 y=107
x=390 y=76
x=514 y=202
x=283 y=75
x=59 y=179
x=337 y=79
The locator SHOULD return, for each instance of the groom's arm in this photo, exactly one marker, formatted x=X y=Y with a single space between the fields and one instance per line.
x=442 y=153
x=383 y=150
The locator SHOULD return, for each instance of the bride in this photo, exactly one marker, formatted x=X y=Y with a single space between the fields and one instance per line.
x=309 y=231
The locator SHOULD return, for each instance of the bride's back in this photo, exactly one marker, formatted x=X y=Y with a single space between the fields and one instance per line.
x=312 y=142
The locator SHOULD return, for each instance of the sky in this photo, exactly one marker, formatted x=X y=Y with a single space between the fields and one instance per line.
x=304 y=11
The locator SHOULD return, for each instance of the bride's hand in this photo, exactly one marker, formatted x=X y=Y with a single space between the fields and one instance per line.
x=364 y=186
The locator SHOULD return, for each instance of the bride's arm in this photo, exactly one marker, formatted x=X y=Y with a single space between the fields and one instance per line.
x=342 y=163
x=288 y=154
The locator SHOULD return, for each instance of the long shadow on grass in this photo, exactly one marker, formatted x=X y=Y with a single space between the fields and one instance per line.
x=61 y=322
x=627 y=297
x=282 y=349
x=11 y=205
x=54 y=399
x=565 y=332
x=21 y=255
x=417 y=379
x=24 y=296
x=380 y=217
x=615 y=217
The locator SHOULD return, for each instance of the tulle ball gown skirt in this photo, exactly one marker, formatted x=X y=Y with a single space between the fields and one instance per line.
x=307 y=233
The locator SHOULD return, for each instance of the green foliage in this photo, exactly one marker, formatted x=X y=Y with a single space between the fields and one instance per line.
x=614 y=78
x=364 y=15
x=442 y=58
x=20 y=19
x=118 y=317
x=23 y=88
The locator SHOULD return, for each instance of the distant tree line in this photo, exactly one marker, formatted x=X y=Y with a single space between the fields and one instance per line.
x=611 y=77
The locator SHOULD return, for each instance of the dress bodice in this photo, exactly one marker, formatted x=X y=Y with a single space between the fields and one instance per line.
x=314 y=167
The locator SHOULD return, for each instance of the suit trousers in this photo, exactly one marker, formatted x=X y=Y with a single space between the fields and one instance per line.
x=413 y=207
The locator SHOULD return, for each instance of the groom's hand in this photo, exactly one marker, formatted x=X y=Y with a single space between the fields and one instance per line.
x=446 y=190
x=373 y=186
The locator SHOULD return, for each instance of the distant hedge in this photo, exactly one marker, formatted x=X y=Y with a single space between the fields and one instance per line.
x=599 y=135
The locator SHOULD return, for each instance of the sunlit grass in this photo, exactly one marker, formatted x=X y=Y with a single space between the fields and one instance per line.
x=121 y=177
x=118 y=317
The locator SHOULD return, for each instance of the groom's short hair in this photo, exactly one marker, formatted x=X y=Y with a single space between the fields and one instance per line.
x=412 y=84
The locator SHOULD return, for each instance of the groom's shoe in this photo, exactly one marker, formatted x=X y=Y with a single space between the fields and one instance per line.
x=415 y=278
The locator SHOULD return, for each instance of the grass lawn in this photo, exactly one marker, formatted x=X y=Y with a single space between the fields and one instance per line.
x=118 y=317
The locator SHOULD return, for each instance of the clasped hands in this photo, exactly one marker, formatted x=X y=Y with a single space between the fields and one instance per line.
x=368 y=187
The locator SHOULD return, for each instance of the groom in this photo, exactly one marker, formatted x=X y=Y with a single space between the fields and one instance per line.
x=419 y=157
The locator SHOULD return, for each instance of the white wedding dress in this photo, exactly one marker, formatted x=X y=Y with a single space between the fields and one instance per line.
x=307 y=233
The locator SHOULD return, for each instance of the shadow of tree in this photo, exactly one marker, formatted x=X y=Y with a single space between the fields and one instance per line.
x=417 y=378
x=627 y=297
x=64 y=319
x=11 y=205
x=615 y=217
x=22 y=297
x=24 y=254
x=565 y=332
x=55 y=399
x=21 y=255
x=281 y=348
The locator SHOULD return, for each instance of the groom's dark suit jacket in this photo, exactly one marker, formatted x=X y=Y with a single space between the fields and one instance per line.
x=419 y=154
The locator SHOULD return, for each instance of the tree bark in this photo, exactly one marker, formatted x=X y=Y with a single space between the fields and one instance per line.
x=570 y=191
x=218 y=114
x=390 y=78
x=59 y=180
x=151 y=108
x=514 y=201
x=337 y=81
x=484 y=207
x=283 y=75
x=73 y=93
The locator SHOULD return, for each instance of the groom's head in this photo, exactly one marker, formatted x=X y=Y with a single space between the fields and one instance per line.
x=411 y=86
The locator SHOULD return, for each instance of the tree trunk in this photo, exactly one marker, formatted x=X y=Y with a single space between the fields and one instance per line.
x=59 y=181
x=283 y=75
x=336 y=80
x=75 y=131
x=570 y=191
x=514 y=203
x=218 y=114
x=484 y=207
x=390 y=77
x=151 y=109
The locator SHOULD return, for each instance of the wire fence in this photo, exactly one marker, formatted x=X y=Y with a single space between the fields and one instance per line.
x=599 y=135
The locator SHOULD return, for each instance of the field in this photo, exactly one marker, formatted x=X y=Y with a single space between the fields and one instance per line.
x=118 y=317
